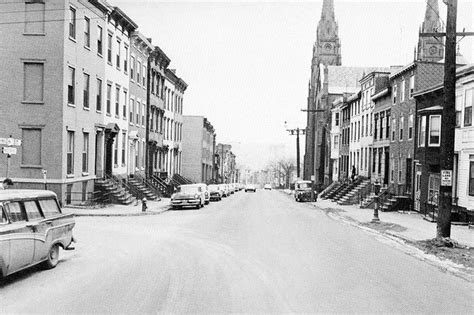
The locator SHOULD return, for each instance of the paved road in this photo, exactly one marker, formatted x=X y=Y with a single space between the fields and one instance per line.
x=252 y=253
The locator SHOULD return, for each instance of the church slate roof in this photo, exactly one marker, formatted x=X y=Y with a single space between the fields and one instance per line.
x=346 y=79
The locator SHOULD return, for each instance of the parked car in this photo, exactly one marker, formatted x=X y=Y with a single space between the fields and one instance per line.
x=267 y=187
x=226 y=190
x=215 y=192
x=207 y=196
x=303 y=191
x=191 y=195
x=32 y=229
x=250 y=187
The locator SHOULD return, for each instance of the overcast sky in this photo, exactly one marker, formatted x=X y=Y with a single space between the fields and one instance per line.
x=247 y=63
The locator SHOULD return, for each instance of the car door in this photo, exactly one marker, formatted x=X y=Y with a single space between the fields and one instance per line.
x=40 y=228
x=21 y=236
x=4 y=241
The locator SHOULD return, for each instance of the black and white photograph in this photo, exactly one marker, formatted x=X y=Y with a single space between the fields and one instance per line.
x=236 y=157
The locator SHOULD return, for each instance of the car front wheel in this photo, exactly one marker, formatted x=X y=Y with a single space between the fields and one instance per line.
x=53 y=257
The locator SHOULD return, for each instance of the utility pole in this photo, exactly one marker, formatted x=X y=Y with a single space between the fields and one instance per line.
x=443 y=227
x=297 y=132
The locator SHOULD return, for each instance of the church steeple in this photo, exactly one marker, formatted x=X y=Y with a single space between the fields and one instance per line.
x=430 y=48
x=327 y=47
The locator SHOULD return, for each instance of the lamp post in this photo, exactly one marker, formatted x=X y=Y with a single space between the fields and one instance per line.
x=376 y=219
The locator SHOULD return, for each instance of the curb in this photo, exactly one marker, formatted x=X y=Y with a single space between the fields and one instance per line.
x=133 y=214
x=405 y=244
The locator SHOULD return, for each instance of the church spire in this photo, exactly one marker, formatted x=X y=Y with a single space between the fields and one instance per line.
x=328 y=10
x=327 y=47
x=430 y=48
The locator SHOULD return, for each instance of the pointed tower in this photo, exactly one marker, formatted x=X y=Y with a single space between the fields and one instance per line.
x=430 y=48
x=327 y=46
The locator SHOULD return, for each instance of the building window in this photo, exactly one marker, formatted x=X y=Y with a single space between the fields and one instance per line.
x=72 y=23
x=402 y=91
x=99 y=40
x=362 y=125
x=131 y=107
x=70 y=153
x=412 y=85
x=117 y=101
x=143 y=114
x=144 y=76
x=402 y=121
x=125 y=59
x=137 y=112
x=394 y=127
x=392 y=170
x=139 y=66
x=33 y=88
x=109 y=48
x=85 y=94
x=71 y=85
x=117 y=62
x=336 y=141
x=410 y=127
x=434 y=130
x=132 y=67
x=421 y=131
x=382 y=124
x=124 y=146
x=400 y=170
x=31 y=147
x=458 y=104
x=109 y=97
x=394 y=94
x=98 y=104
x=116 y=141
x=433 y=188
x=125 y=97
x=471 y=178
x=87 y=32
x=85 y=153
x=34 y=17
x=468 y=107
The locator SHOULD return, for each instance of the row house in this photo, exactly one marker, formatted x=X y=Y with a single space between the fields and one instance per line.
x=354 y=136
x=416 y=76
x=226 y=164
x=336 y=112
x=81 y=104
x=158 y=62
x=140 y=52
x=428 y=140
x=368 y=84
x=199 y=148
x=173 y=122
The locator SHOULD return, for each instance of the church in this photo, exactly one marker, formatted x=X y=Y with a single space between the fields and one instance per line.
x=329 y=81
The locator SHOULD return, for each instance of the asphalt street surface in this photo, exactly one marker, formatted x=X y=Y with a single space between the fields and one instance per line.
x=250 y=253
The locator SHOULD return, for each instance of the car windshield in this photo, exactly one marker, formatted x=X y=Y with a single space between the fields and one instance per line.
x=303 y=185
x=188 y=189
x=213 y=187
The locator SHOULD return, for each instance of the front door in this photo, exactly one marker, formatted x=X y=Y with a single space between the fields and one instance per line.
x=386 y=171
x=417 y=187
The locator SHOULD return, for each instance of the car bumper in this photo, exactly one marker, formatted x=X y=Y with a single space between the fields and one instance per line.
x=185 y=202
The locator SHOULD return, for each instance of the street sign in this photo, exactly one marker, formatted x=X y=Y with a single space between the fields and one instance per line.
x=10 y=141
x=446 y=178
x=9 y=150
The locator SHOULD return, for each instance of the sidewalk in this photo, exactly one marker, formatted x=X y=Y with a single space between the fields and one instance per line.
x=408 y=225
x=114 y=210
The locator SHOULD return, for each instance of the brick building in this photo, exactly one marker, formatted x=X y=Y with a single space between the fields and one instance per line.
x=199 y=148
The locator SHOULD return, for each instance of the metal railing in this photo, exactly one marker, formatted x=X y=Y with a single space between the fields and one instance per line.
x=431 y=205
x=122 y=183
x=148 y=184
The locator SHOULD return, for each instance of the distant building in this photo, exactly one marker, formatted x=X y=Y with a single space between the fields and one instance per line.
x=227 y=166
x=198 y=149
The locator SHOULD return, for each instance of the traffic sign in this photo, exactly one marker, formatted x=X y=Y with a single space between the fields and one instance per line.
x=9 y=150
x=446 y=178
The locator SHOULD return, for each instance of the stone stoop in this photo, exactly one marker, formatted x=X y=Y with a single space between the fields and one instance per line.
x=142 y=188
x=113 y=193
x=351 y=197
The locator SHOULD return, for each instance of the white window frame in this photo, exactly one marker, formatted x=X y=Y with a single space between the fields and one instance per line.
x=435 y=144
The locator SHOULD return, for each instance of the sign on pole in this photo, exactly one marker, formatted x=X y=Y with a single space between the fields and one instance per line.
x=9 y=150
x=446 y=177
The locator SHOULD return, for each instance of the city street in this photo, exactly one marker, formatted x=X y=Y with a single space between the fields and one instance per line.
x=250 y=253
